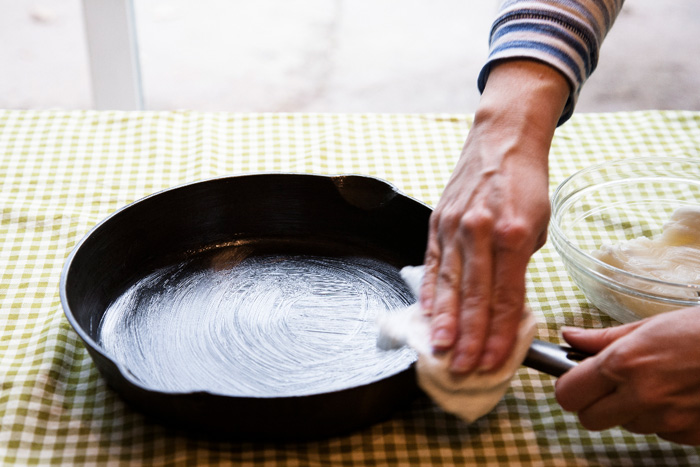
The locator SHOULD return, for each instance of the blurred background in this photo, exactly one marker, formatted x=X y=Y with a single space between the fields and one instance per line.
x=331 y=55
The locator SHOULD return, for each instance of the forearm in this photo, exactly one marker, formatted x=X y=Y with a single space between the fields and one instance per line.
x=565 y=34
x=520 y=108
x=492 y=216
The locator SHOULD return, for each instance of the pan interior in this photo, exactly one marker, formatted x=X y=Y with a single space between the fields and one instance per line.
x=252 y=319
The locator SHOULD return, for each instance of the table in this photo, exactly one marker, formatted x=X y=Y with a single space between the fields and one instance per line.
x=62 y=172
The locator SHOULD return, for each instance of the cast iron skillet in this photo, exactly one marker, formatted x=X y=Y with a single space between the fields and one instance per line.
x=162 y=244
x=243 y=306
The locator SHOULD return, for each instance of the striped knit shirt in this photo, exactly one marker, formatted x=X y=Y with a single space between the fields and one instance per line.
x=566 y=34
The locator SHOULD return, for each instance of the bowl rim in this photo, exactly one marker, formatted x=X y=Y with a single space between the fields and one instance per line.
x=561 y=242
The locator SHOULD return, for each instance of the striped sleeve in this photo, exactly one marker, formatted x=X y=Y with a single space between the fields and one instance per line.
x=565 y=34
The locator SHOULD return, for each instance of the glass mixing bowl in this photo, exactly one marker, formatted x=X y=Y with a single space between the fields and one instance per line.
x=610 y=204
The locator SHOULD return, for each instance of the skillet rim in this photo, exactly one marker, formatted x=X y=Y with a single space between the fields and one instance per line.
x=94 y=347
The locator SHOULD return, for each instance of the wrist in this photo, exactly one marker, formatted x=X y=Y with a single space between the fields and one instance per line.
x=523 y=97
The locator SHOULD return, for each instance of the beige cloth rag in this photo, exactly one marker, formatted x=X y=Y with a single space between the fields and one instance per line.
x=468 y=397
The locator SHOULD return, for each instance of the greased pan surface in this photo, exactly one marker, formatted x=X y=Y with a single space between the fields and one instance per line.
x=245 y=306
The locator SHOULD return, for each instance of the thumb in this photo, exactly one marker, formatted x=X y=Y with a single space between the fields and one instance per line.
x=595 y=340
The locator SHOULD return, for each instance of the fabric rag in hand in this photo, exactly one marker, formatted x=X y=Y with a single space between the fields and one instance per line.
x=470 y=396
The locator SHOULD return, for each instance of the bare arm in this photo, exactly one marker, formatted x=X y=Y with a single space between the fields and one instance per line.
x=493 y=216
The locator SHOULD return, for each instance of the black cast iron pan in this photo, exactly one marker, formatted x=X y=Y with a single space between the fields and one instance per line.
x=244 y=306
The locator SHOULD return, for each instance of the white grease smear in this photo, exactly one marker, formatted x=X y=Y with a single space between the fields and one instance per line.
x=672 y=258
x=260 y=326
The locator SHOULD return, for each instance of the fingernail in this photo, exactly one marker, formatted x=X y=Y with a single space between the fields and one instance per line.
x=570 y=330
x=441 y=338
x=487 y=362
x=461 y=364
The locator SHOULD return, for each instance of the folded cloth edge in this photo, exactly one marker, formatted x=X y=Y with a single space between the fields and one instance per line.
x=468 y=396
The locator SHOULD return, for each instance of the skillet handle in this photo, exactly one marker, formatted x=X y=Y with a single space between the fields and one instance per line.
x=552 y=359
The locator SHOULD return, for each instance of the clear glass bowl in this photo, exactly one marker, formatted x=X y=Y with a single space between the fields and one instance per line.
x=615 y=202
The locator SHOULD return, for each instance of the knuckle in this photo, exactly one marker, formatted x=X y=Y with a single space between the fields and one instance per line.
x=478 y=222
x=562 y=394
x=514 y=234
x=507 y=304
x=435 y=220
x=431 y=263
x=449 y=277
x=476 y=301
x=616 y=363
x=648 y=397
x=426 y=294
x=541 y=240
x=473 y=315
x=445 y=301
x=657 y=397
x=445 y=218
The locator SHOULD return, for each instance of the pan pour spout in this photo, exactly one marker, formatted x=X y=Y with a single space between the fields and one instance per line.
x=364 y=192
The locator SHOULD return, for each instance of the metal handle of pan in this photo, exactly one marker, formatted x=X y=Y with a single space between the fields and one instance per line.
x=552 y=359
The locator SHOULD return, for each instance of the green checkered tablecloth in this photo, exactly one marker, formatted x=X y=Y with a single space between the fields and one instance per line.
x=62 y=172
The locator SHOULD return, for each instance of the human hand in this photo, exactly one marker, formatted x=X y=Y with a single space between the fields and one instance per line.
x=645 y=377
x=492 y=216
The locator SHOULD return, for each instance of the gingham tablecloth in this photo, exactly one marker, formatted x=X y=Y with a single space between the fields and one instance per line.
x=62 y=172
